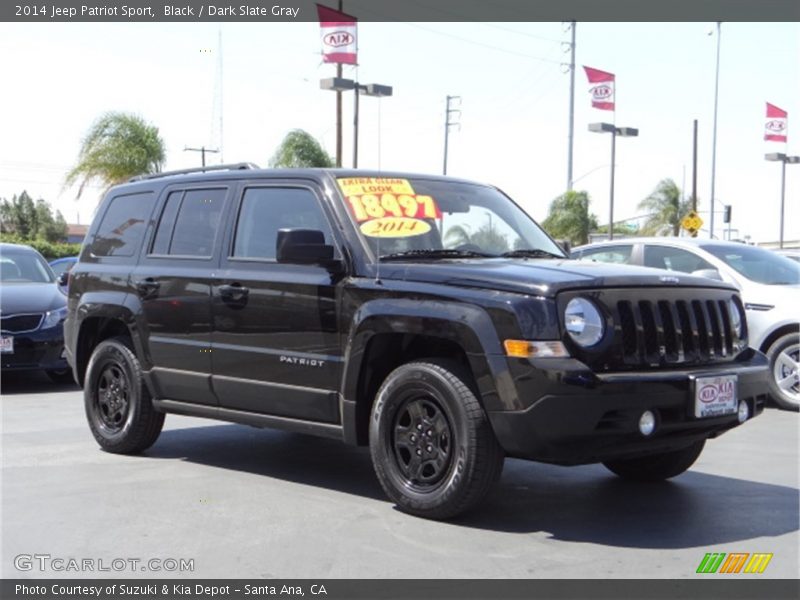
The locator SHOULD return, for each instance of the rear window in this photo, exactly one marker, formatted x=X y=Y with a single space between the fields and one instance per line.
x=189 y=223
x=121 y=230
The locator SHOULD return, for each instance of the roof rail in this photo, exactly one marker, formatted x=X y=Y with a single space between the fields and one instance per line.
x=228 y=167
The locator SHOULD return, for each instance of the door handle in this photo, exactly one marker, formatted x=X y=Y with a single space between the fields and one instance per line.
x=147 y=288
x=234 y=291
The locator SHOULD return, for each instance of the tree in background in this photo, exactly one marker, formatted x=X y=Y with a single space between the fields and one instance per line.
x=30 y=220
x=299 y=149
x=118 y=146
x=569 y=218
x=665 y=209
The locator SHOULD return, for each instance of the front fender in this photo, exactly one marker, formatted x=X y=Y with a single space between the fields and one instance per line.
x=467 y=325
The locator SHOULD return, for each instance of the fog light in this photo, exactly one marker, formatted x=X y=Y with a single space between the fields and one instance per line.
x=744 y=411
x=647 y=423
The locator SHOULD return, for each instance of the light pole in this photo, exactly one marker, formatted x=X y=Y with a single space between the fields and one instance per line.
x=339 y=84
x=783 y=159
x=614 y=131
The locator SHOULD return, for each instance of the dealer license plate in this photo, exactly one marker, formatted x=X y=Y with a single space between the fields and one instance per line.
x=7 y=345
x=715 y=396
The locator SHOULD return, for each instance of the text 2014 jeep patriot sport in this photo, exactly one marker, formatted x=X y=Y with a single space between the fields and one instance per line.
x=427 y=317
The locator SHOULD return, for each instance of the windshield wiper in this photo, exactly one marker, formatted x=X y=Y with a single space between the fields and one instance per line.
x=433 y=254
x=530 y=253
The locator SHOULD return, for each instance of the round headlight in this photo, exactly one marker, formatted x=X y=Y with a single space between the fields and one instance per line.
x=583 y=322
x=737 y=322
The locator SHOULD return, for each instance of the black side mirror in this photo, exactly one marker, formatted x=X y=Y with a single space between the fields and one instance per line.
x=63 y=279
x=566 y=246
x=303 y=246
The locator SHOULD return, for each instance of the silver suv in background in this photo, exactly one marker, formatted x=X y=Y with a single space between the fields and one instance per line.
x=769 y=284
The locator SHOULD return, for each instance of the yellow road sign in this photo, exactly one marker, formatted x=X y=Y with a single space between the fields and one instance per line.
x=692 y=222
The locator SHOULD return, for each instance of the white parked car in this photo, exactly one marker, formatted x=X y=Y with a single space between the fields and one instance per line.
x=769 y=284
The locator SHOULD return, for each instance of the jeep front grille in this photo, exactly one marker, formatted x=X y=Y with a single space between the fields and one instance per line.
x=679 y=331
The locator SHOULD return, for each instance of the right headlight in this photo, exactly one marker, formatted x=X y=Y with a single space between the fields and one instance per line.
x=583 y=322
x=737 y=318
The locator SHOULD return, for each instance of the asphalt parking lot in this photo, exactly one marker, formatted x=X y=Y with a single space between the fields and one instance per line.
x=243 y=502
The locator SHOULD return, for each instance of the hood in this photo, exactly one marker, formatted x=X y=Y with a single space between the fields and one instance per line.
x=18 y=298
x=539 y=277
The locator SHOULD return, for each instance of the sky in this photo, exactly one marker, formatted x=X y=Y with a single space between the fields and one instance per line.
x=511 y=77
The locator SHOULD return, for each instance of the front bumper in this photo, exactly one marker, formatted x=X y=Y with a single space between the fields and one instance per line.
x=41 y=349
x=579 y=417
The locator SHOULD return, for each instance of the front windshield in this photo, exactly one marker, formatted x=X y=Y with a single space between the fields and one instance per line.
x=398 y=216
x=24 y=267
x=757 y=264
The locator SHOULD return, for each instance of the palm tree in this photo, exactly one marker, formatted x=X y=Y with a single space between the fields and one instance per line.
x=299 y=149
x=665 y=209
x=569 y=218
x=118 y=146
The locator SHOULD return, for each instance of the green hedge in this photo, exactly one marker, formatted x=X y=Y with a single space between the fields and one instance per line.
x=49 y=250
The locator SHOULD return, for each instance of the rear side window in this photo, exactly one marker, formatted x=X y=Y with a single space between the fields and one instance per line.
x=266 y=210
x=613 y=254
x=123 y=225
x=674 y=259
x=189 y=223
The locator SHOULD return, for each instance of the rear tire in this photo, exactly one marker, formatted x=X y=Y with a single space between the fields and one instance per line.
x=432 y=446
x=784 y=384
x=656 y=467
x=118 y=405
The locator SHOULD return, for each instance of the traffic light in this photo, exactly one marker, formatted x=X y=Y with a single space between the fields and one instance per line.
x=727 y=217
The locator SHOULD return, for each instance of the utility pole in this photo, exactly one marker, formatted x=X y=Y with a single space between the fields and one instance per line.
x=571 y=107
x=448 y=124
x=694 y=171
x=714 y=140
x=339 y=107
x=202 y=150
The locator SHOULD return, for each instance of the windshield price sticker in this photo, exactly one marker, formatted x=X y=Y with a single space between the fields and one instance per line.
x=357 y=186
x=373 y=206
x=394 y=227
x=380 y=197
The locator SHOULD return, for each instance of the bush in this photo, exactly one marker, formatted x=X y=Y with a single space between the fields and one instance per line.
x=50 y=250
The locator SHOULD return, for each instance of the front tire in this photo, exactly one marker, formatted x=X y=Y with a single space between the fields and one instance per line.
x=432 y=446
x=784 y=369
x=656 y=467
x=118 y=405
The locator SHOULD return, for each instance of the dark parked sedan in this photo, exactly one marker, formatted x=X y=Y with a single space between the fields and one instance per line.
x=32 y=311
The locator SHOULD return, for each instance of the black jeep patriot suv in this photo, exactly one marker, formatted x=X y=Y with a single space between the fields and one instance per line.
x=427 y=317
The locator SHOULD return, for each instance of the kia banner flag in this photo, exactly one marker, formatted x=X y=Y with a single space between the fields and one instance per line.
x=601 y=88
x=338 y=32
x=777 y=124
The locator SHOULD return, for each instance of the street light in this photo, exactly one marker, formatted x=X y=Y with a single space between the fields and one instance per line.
x=614 y=131
x=340 y=84
x=783 y=159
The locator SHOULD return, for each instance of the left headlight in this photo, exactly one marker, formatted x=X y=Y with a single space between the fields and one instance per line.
x=583 y=322
x=53 y=318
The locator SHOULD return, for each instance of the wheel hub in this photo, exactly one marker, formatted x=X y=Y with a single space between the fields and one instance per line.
x=422 y=442
x=787 y=372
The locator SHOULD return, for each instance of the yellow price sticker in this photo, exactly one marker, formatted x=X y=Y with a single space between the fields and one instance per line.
x=394 y=227
x=356 y=186
x=373 y=206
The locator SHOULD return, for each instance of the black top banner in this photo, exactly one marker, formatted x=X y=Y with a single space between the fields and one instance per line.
x=401 y=10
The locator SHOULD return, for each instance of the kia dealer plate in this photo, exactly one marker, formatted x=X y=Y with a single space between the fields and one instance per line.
x=715 y=396
x=7 y=345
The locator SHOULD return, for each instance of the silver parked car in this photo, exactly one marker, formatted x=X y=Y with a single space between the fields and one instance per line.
x=769 y=284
